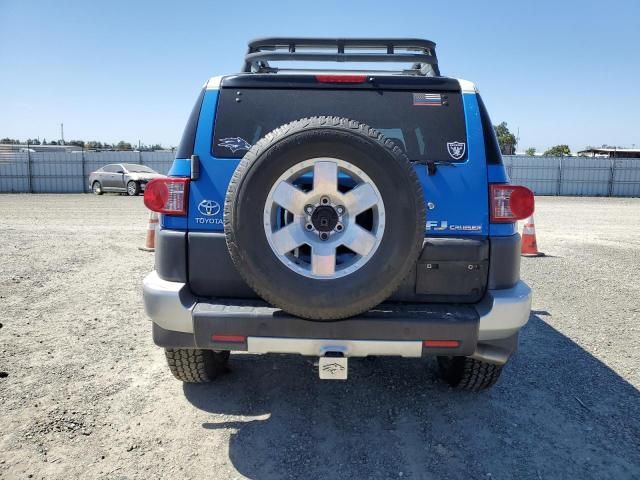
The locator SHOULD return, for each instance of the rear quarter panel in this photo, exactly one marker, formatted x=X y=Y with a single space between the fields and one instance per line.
x=457 y=195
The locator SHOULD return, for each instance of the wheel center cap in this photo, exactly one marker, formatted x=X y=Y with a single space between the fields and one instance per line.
x=324 y=218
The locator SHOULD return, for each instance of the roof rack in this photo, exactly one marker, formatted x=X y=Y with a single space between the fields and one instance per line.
x=420 y=53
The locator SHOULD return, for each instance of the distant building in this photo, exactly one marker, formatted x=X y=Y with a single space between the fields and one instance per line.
x=611 y=152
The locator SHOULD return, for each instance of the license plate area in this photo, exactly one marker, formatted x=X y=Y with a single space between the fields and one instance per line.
x=333 y=367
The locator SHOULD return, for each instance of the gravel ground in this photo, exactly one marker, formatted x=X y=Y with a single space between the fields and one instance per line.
x=85 y=394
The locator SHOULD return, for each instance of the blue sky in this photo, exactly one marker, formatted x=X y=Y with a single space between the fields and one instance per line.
x=560 y=71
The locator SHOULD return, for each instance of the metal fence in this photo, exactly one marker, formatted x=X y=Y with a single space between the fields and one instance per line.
x=68 y=172
x=579 y=176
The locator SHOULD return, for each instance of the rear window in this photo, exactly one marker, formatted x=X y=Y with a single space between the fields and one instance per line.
x=112 y=168
x=426 y=125
x=133 y=168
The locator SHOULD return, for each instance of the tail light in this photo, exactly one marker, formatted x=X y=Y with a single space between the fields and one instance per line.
x=167 y=195
x=341 y=78
x=510 y=203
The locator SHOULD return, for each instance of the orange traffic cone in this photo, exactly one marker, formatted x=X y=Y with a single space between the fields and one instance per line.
x=150 y=241
x=529 y=244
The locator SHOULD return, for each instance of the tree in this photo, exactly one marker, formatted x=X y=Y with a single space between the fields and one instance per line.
x=33 y=141
x=559 y=151
x=10 y=141
x=122 y=145
x=506 y=139
x=93 y=145
x=531 y=151
x=77 y=143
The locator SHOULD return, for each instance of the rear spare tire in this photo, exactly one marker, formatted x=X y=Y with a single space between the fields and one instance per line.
x=324 y=217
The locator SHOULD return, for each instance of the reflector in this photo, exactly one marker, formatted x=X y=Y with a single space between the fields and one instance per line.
x=441 y=343
x=229 y=338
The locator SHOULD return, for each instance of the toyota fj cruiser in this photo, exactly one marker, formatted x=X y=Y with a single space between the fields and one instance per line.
x=337 y=214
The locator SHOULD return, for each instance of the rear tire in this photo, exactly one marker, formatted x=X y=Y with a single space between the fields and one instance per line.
x=196 y=366
x=466 y=373
x=96 y=188
x=133 y=188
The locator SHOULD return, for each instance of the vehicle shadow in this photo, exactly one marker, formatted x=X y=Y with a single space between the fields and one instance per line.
x=557 y=412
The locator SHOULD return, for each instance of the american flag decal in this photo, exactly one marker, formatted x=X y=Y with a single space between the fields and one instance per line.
x=427 y=99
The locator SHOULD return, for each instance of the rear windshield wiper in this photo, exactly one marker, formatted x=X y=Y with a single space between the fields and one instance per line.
x=432 y=165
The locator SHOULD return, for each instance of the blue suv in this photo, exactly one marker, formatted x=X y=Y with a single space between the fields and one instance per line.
x=337 y=214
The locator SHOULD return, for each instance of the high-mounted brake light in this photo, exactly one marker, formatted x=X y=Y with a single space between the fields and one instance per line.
x=341 y=78
x=167 y=195
x=510 y=203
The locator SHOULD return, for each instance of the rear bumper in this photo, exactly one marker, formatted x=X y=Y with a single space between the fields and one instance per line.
x=487 y=330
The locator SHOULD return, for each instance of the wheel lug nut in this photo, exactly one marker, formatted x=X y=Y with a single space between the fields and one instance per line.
x=324 y=236
x=308 y=209
x=340 y=209
x=339 y=227
x=324 y=200
x=309 y=226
